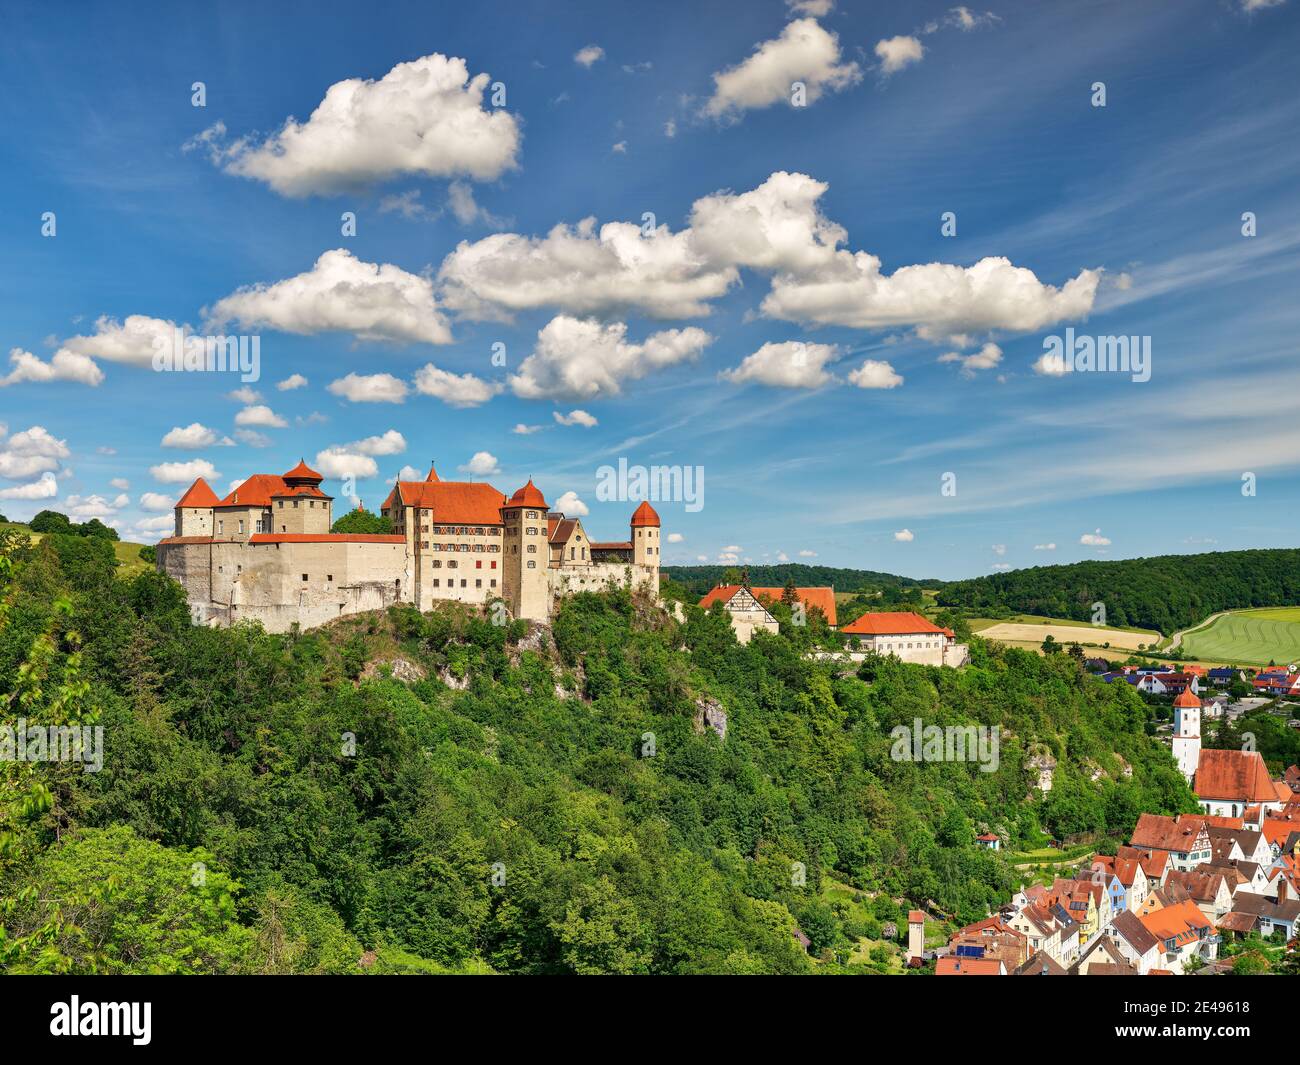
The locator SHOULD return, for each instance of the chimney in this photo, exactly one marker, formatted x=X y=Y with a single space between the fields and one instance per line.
x=1281 y=890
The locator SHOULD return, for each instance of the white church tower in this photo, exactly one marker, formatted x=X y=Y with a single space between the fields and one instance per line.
x=1187 y=733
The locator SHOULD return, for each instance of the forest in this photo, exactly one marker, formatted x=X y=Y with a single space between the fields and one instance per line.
x=1167 y=592
x=401 y=792
x=699 y=579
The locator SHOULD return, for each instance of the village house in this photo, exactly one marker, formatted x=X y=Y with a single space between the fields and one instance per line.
x=266 y=553
x=1186 y=936
x=1183 y=837
x=992 y=937
x=1131 y=879
x=1228 y=781
x=1134 y=942
x=748 y=606
x=1208 y=889
x=908 y=637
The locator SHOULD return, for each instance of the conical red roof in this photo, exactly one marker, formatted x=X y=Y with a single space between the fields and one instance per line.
x=433 y=474
x=645 y=515
x=198 y=495
x=1187 y=697
x=528 y=496
x=303 y=472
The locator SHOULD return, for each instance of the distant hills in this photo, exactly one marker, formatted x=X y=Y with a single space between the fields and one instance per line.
x=701 y=578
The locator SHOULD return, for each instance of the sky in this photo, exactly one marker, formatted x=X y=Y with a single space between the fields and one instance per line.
x=834 y=258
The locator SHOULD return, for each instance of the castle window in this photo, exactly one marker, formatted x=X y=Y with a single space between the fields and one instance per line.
x=494 y=582
x=464 y=583
x=532 y=564
x=436 y=564
x=424 y=544
x=311 y=503
x=532 y=549
x=295 y=504
x=435 y=582
x=478 y=583
x=478 y=564
x=451 y=564
x=329 y=576
x=571 y=552
x=532 y=530
x=241 y=525
x=494 y=563
x=304 y=576
x=282 y=528
x=281 y=503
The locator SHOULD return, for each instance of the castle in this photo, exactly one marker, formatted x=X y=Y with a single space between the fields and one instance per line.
x=265 y=552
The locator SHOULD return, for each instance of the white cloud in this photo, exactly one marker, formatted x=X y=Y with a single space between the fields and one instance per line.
x=814 y=8
x=409 y=473
x=83 y=508
x=804 y=52
x=807 y=554
x=732 y=549
x=521 y=429
x=895 y=53
x=193 y=436
x=676 y=538
x=425 y=118
x=576 y=417
x=463 y=390
x=245 y=395
x=943 y=298
x=390 y=443
x=46 y=487
x=570 y=505
x=874 y=373
x=340 y=293
x=999 y=549
x=261 y=416
x=184 y=472
x=482 y=464
x=156 y=501
x=132 y=341
x=466 y=210
x=1001 y=566
x=151 y=528
x=904 y=536
x=1044 y=547
x=29 y=453
x=670 y=128
x=120 y=483
x=1094 y=539
x=790 y=364
x=985 y=359
x=620 y=148
x=1051 y=365
x=1260 y=5
x=235 y=483
x=101 y=450
x=291 y=382
x=338 y=462
x=63 y=366
x=369 y=388
x=591 y=54
x=252 y=438
x=584 y=359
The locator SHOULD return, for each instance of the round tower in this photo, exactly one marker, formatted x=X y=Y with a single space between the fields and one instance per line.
x=526 y=580
x=645 y=545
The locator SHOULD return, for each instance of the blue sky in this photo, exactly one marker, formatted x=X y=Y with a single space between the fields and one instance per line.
x=758 y=326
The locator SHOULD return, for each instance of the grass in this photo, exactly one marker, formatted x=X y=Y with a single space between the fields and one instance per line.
x=1249 y=637
x=977 y=624
x=128 y=554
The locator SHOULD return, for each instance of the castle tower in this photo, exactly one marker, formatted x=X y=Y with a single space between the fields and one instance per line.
x=915 y=938
x=194 y=510
x=1187 y=733
x=301 y=507
x=526 y=582
x=645 y=545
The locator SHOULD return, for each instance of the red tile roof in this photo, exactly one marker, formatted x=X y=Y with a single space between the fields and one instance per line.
x=902 y=623
x=1179 y=922
x=256 y=491
x=452 y=502
x=303 y=472
x=611 y=545
x=1187 y=697
x=821 y=598
x=644 y=515
x=1167 y=833
x=951 y=966
x=198 y=495
x=1233 y=775
x=528 y=496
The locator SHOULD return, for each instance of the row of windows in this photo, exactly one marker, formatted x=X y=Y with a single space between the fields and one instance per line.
x=489 y=548
x=311 y=503
x=452 y=564
x=451 y=583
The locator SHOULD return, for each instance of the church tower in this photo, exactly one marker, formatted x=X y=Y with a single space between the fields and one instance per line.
x=526 y=580
x=645 y=545
x=1187 y=733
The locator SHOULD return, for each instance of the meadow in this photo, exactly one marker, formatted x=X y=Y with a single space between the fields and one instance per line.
x=1249 y=637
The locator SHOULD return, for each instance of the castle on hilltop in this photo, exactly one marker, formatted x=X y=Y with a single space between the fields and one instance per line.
x=265 y=552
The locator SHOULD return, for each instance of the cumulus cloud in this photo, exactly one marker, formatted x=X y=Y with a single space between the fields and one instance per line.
x=521 y=429
x=571 y=505
x=943 y=298
x=588 y=56
x=904 y=536
x=83 y=508
x=874 y=373
x=999 y=549
x=1094 y=539
x=184 y=472
x=64 y=365
x=252 y=438
x=156 y=501
x=30 y=453
x=676 y=538
x=895 y=53
x=45 y=487
x=985 y=359
x=583 y=359
x=120 y=483
x=245 y=395
x=291 y=382
x=482 y=464
x=466 y=210
x=1050 y=364
x=424 y=118
x=576 y=417
x=340 y=293
x=807 y=554
x=192 y=437
x=339 y=462
x=369 y=388
x=132 y=341
x=1044 y=547
x=791 y=364
x=814 y=8
x=389 y=443
x=804 y=52
x=456 y=390
x=260 y=416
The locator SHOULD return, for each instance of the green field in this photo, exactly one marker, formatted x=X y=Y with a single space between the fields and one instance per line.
x=128 y=554
x=1249 y=637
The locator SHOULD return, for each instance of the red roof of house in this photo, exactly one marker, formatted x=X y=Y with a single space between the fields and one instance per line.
x=1187 y=697
x=1178 y=922
x=988 y=837
x=1233 y=775
x=1167 y=833
x=528 y=496
x=644 y=515
x=256 y=491
x=915 y=916
x=821 y=598
x=954 y=966
x=303 y=472
x=611 y=545
x=452 y=502
x=198 y=495
x=432 y=475
x=902 y=623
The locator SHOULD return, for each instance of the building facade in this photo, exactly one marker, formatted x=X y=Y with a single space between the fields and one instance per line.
x=265 y=552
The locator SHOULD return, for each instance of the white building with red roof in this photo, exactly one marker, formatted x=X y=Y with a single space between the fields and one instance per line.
x=908 y=637
x=265 y=552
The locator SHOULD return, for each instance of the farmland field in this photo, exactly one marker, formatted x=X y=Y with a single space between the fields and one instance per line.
x=1030 y=631
x=1251 y=637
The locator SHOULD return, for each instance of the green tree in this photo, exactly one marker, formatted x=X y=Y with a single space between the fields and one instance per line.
x=358 y=521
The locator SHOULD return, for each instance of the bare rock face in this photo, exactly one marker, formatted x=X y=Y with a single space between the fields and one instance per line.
x=452 y=681
x=709 y=713
x=401 y=669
